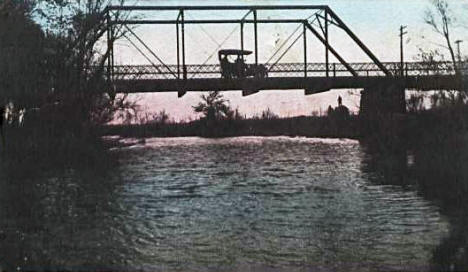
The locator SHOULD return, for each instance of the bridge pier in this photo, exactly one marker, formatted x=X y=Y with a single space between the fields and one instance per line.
x=381 y=113
x=382 y=97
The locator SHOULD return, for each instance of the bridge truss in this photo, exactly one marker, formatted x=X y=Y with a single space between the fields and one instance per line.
x=150 y=72
x=182 y=77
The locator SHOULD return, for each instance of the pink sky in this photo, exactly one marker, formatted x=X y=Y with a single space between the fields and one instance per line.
x=284 y=102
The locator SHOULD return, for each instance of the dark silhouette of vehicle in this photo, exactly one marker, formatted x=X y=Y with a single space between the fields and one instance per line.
x=238 y=68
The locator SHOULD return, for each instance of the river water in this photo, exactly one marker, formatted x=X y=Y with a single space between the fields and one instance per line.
x=232 y=204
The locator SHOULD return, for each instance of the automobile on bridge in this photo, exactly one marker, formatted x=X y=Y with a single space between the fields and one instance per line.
x=238 y=68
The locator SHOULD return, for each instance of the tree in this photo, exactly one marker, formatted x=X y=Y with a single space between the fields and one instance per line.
x=60 y=61
x=213 y=107
x=441 y=20
x=159 y=118
x=71 y=79
x=415 y=103
x=76 y=29
x=269 y=114
x=22 y=69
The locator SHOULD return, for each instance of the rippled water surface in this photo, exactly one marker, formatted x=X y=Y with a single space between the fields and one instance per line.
x=248 y=203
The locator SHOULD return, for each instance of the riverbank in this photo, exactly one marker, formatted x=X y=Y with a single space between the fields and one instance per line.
x=433 y=157
x=34 y=150
x=307 y=126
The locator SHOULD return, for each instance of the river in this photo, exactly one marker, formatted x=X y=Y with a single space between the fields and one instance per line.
x=231 y=204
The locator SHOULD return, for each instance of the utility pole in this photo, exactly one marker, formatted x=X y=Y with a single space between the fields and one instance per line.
x=458 y=49
x=402 y=33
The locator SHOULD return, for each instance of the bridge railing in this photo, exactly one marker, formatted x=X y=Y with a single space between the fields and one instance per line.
x=147 y=72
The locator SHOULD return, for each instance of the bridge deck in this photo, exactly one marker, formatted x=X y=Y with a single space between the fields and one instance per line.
x=310 y=84
x=284 y=76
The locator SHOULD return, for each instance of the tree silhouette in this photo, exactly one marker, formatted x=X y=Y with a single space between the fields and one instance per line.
x=441 y=19
x=22 y=71
x=75 y=29
x=269 y=114
x=213 y=107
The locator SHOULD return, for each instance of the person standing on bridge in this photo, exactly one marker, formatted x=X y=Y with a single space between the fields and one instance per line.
x=340 y=101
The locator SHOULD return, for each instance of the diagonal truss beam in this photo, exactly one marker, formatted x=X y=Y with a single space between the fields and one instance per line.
x=143 y=54
x=331 y=49
x=151 y=51
x=357 y=41
x=320 y=24
x=328 y=20
x=245 y=16
x=286 y=41
x=330 y=17
x=286 y=51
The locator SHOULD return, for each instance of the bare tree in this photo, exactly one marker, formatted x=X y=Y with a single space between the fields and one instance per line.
x=441 y=19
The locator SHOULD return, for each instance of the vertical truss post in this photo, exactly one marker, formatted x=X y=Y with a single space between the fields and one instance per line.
x=305 y=47
x=326 y=48
x=178 y=49
x=242 y=31
x=242 y=37
x=255 y=36
x=184 y=68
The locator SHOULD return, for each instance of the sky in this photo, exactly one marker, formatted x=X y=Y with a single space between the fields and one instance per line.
x=375 y=22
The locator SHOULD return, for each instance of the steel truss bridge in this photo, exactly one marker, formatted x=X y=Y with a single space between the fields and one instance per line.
x=312 y=77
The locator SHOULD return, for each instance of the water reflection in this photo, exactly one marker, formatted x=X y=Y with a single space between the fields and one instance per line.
x=59 y=221
x=396 y=168
x=248 y=203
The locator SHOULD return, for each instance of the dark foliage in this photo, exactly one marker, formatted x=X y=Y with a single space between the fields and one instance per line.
x=309 y=126
x=52 y=83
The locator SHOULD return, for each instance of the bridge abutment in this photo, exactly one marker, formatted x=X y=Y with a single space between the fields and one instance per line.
x=381 y=112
